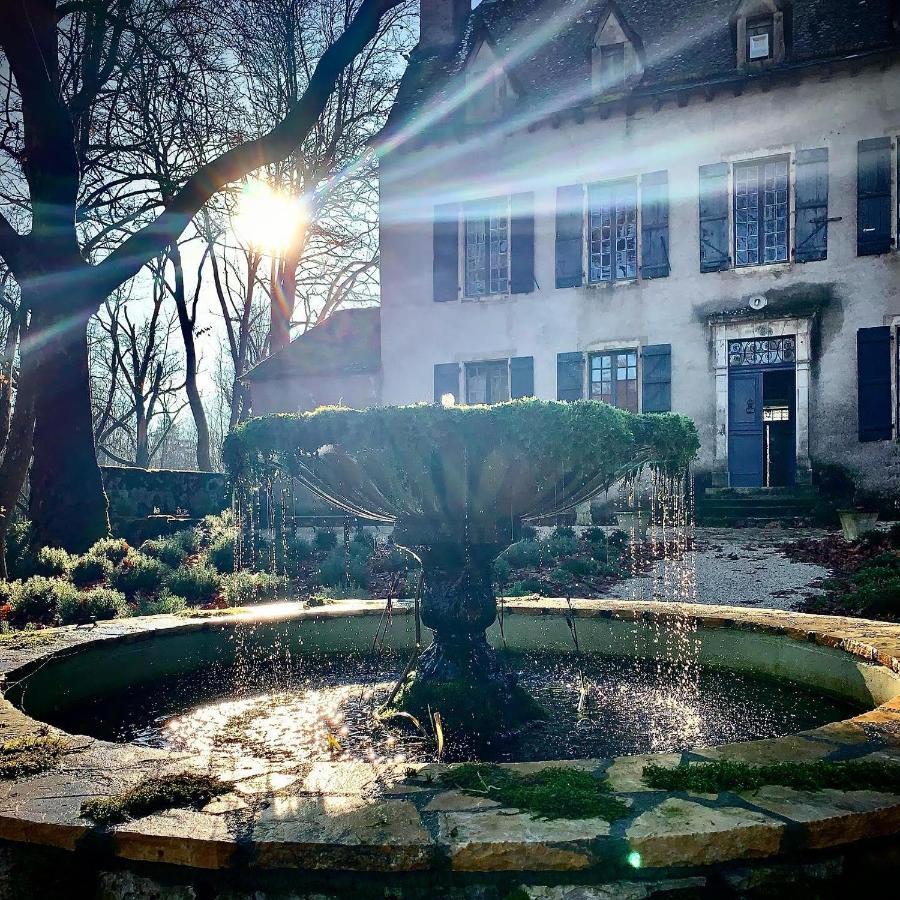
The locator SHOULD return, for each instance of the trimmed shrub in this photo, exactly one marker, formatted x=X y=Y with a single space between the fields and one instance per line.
x=90 y=569
x=579 y=566
x=502 y=570
x=139 y=574
x=97 y=604
x=19 y=558
x=198 y=585
x=168 y=551
x=165 y=604
x=221 y=554
x=325 y=539
x=334 y=568
x=52 y=562
x=562 y=542
x=212 y=528
x=187 y=540
x=37 y=600
x=528 y=533
x=247 y=588
x=524 y=553
x=524 y=587
x=113 y=549
x=596 y=537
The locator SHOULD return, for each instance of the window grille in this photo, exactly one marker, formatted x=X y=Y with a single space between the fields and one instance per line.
x=761 y=212
x=762 y=351
x=487 y=248
x=613 y=231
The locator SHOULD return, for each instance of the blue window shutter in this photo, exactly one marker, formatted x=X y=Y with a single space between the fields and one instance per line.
x=873 y=197
x=657 y=378
x=811 y=228
x=569 y=376
x=446 y=381
x=521 y=243
x=569 y=237
x=714 y=218
x=655 y=225
x=446 y=252
x=521 y=377
x=873 y=367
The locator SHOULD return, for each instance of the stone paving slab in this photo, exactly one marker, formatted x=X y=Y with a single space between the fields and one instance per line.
x=359 y=817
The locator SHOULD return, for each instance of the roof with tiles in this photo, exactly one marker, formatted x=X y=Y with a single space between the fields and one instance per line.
x=347 y=342
x=545 y=45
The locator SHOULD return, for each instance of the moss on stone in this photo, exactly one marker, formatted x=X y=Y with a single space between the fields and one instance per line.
x=730 y=775
x=473 y=708
x=551 y=793
x=28 y=755
x=187 y=789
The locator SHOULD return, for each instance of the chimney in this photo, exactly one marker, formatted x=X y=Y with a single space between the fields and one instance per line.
x=441 y=23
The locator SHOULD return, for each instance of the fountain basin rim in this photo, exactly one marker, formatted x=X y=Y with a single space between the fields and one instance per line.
x=417 y=826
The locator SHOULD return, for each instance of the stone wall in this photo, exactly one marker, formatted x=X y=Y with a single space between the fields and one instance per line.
x=147 y=502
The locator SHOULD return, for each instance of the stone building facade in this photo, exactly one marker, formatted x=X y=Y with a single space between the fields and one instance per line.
x=687 y=206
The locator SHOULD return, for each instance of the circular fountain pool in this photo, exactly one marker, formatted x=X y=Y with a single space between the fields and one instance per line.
x=279 y=703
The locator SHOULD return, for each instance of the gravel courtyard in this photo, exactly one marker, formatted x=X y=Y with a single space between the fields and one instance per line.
x=734 y=566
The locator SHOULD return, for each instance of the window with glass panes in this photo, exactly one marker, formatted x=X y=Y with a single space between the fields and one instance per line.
x=487 y=247
x=612 y=209
x=614 y=378
x=761 y=210
x=487 y=382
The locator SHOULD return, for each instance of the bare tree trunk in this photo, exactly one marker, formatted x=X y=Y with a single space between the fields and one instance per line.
x=239 y=398
x=14 y=468
x=186 y=323
x=67 y=503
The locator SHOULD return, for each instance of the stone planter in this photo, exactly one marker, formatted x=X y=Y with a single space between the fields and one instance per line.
x=855 y=523
x=637 y=521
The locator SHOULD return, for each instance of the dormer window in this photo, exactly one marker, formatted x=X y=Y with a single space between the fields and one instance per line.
x=616 y=54
x=491 y=91
x=760 y=38
x=759 y=32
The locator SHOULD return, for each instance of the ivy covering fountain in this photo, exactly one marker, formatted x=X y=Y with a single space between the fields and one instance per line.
x=457 y=483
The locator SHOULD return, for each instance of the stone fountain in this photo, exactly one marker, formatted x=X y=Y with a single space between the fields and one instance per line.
x=457 y=483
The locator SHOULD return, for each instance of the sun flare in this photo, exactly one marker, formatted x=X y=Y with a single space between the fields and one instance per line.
x=266 y=219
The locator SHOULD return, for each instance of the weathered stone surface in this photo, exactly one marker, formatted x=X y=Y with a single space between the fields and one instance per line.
x=490 y=841
x=832 y=817
x=456 y=801
x=182 y=837
x=682 y=833
x=300 y=832
x=793 y=747
x=625 y=772
x=265 y=784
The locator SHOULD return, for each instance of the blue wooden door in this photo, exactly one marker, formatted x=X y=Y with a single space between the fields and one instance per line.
x=745 y=428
